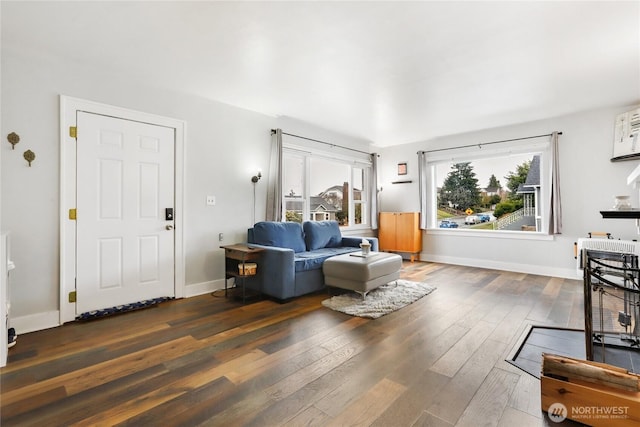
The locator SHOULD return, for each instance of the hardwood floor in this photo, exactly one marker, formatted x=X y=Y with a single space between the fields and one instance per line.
x=212 y=361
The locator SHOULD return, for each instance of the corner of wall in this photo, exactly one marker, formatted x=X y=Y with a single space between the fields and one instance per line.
x=203 y=288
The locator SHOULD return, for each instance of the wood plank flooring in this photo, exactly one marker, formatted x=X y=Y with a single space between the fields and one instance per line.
x=211 y=361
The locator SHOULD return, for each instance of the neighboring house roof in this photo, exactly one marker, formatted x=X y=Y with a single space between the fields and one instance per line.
x=525 y=189
x=321 y=202
x=533 y=177
x=316 y=204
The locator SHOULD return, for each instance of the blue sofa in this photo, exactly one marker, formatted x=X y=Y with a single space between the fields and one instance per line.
x=291 y=264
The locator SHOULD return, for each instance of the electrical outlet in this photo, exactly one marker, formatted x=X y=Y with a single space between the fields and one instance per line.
x=211 y=200
x=220 y=237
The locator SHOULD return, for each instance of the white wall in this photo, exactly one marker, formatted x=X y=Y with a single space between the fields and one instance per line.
x=589 y=181
x=225 y=146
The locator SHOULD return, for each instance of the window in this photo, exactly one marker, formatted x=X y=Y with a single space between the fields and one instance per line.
x=317 y=187
x=490 y=189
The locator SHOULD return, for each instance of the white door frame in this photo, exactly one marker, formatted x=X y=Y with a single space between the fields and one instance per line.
x=68 y=108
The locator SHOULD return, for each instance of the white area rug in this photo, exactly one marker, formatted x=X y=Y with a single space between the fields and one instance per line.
x=383 y=300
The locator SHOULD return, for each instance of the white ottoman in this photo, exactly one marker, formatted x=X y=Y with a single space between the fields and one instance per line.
x=361 y=273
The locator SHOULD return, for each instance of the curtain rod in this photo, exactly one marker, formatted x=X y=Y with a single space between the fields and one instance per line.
x=487 y=143
x=321 y=142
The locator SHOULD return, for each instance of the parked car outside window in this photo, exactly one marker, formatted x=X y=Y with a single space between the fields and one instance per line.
x=484 y=217
x=471 y=219
x=445 y=223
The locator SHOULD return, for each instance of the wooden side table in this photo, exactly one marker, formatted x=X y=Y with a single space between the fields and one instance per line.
x=238 y=252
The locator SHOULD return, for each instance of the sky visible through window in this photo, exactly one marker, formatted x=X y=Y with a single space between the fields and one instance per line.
x=325 y=174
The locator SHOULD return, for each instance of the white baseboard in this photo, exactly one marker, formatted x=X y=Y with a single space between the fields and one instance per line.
x=35 y=322
x=51 y=319
x=203 y=288
x=565 y=273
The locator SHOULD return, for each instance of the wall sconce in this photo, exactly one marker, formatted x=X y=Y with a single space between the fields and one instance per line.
x=255 y=178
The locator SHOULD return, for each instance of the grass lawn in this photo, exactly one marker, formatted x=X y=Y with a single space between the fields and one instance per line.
x=483 y=226
x=444 y=214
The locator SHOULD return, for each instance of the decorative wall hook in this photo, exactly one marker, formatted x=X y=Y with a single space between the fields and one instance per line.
x=29 y=156
x=13 y=139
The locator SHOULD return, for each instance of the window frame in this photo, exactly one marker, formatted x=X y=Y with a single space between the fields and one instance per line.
x=353 y=162
x=538 y=146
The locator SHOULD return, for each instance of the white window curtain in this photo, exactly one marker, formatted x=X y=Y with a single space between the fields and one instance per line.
x=422 y=187
x=373 y=190
x=555 y=208
x=274 y=188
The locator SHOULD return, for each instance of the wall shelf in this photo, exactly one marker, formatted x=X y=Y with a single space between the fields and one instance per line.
x=634 y=181
x=630 y=213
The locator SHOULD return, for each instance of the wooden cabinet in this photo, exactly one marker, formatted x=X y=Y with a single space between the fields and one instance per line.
x=400 y=232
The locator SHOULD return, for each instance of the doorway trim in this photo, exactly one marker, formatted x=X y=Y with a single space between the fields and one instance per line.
x=68 y=108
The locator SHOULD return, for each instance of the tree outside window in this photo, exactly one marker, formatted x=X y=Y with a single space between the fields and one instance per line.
x=460 y=188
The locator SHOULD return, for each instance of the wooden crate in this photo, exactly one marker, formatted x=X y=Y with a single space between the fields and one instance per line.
x=592 y=393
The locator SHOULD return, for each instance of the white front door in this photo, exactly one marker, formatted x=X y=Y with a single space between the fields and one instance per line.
x=124 y=238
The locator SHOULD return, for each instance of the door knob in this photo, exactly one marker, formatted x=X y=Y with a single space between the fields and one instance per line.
x=169 y=227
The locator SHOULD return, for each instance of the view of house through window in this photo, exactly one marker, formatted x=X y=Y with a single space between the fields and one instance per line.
x=497 y=193
x=318 y=188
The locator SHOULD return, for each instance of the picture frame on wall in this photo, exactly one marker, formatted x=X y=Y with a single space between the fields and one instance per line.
x=402 y=168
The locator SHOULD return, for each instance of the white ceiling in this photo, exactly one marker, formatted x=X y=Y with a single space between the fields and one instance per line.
x=387 y=72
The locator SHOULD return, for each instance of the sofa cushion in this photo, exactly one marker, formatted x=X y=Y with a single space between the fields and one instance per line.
x=313 y=260
x=322 y=234
x=280 y=234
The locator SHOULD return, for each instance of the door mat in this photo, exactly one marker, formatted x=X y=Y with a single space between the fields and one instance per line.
x=125 y=308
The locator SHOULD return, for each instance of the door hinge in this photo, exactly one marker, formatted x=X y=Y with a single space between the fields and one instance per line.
x=72 y=296
x=72 y=214
x=73 y=131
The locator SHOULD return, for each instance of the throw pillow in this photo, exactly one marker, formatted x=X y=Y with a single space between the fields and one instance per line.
x=279 y=234
x=322 y=234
